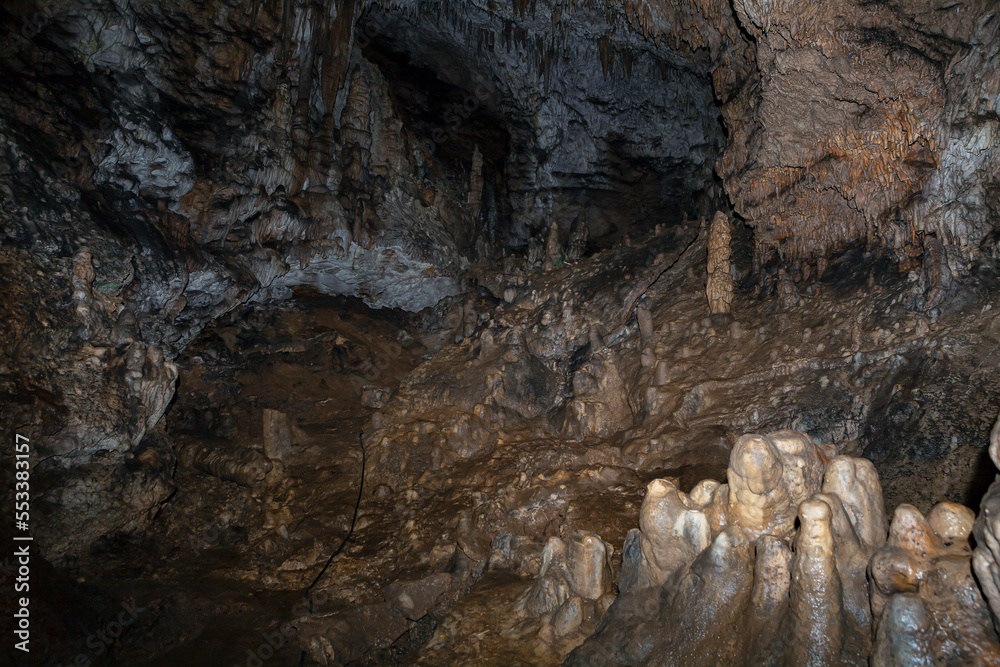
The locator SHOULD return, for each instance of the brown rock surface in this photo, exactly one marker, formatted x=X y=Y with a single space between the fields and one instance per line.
x=234 y=236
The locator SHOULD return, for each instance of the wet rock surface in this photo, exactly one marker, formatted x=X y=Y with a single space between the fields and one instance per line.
x=507 y=525
x=812 y=592
x=669 y=330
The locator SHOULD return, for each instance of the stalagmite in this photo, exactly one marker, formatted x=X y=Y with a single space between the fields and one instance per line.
x=770 y=597
x=855 y=482
x=661 y=374
x=815 y=594
x=83 y=293
x=717 y=591
x=673 y=529
x=936 y=273
x=574 y=572
x=240 y=465
x=475 y=199
x=553 y=248
x=156 y=388
x=587 y=558
x=817 y=603
x=986 y=559
x=788 y=296
x=923 y=590
x=277 y=435
x=125 y=329
x=578 y=235
x=768 y=477
x=720 y=278
x=645 y=320
x=536 y=251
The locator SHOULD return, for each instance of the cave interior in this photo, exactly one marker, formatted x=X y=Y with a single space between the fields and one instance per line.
x=500 y=332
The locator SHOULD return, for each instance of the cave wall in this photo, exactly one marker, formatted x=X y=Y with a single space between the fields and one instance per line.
x=871 y=122
x=163 y=166
x=164 y=163
x=606 y=124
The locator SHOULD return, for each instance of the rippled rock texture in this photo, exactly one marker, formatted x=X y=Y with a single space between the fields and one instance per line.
x=206 y=156
x=234 y=234
x=866 y=122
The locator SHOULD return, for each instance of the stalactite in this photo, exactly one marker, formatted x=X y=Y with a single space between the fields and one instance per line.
x=357 y=138
x=607 y=53
x=335 y=49
x=312 y=31
x=525 y=8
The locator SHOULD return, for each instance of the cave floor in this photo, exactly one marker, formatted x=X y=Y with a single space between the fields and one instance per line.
x=225 y=565
x=217 y=582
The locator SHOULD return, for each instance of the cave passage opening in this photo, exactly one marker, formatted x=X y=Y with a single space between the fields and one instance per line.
x=541 y=133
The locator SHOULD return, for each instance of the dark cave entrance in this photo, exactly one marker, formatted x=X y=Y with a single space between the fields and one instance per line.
x=617 y=150
x=459 y=132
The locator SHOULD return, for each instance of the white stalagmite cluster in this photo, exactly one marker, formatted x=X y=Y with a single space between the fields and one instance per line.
x=574 y=573
x=986 y=559
x=792 y=562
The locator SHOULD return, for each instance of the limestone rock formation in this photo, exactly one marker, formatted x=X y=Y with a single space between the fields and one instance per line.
x=924 y=593
x=573 y=572
x=789 y=298
x=277 y=435
x=357 y=133
x=720 y=278
x=579 y=232
x=553 y=247
x=476 y=183
x=674 y=528
x=242 y=466
x=936 y=272
x=874 y=165
x=986 y=559
x=233 y=235
x=786 y=580
x=83 y=294
x=769 y=476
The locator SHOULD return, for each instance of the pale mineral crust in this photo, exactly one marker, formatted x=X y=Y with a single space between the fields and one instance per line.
x=826 y=584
